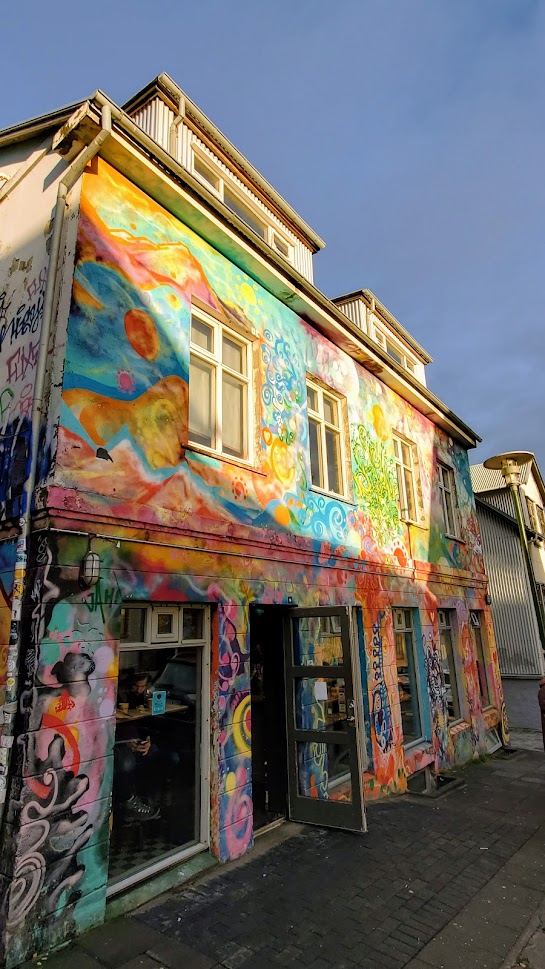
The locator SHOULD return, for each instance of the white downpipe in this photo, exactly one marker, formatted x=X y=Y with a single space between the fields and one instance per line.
x=70 y=177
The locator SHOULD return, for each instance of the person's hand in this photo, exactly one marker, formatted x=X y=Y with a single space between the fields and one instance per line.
x=144 y=746
x=134 y=745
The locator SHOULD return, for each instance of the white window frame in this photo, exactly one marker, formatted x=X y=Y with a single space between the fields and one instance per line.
x=404 y=624
x=444 y=621
x=215 y=359
x=204 y=643
x=385 y=339
x=318 y=418
x=270 y=230
x=401 y=469
x=445 y=489
x=156 y=636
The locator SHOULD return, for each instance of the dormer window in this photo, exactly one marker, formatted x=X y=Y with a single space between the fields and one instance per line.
x=395 y=350
x=233 y=195
x=244 y=212
x=206 y=172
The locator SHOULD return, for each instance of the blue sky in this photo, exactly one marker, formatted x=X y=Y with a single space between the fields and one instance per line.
x=409 y=133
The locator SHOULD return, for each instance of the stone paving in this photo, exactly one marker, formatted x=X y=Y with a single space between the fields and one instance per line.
x=451 y=883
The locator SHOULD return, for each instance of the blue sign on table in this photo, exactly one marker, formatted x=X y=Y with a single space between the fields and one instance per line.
x=159 y=701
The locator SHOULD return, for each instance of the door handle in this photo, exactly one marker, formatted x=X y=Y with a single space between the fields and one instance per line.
x=350 y=719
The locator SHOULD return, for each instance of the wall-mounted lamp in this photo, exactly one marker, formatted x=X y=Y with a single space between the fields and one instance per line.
x=488 y=599
x=89 y=572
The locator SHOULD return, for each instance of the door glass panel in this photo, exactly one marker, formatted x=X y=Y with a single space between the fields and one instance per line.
x=324 y=771
x=320 y=704
x=407 y=686
x=317 y=641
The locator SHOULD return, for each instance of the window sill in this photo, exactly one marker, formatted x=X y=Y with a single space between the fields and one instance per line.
x=223 y=459
x=413 y=745
x=333 y=495
x=455 y=538
x=457 y=726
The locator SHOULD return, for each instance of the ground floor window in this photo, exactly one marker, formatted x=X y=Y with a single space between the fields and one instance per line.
x=409 y=698
x=480 y=656
x=448 y=665
x=156 y=797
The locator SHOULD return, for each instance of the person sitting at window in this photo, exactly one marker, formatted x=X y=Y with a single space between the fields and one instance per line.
x=135 y=757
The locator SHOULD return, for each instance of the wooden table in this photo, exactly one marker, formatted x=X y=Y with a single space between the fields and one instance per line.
x=139 y=712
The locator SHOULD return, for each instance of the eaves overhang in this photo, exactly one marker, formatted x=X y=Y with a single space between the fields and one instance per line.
x=172 y=94
x=36 y=126
x=373 y=302
x=141 y=159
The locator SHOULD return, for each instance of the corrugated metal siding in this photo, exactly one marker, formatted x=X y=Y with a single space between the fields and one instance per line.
x=486 y=479
x=502 y=500
x=515 y=625
x=155 y=118
x=354 y=309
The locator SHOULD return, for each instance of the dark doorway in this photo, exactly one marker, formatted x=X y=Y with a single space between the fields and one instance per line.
x=269 y=754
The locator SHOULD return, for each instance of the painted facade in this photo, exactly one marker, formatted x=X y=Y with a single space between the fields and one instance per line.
x=176 y=524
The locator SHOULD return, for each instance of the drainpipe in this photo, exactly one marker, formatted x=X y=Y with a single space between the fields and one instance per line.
x=10 y=706
x=173 y=141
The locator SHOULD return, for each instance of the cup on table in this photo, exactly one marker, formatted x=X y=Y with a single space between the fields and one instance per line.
x=150 y=703
x=123 y=707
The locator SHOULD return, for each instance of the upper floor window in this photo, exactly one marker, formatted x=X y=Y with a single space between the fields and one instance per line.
x=325 y=439
x=395 y=350
x=536 y=516
x=219 y=388
x=447 y=488
x=405 y=460
x=242 y=205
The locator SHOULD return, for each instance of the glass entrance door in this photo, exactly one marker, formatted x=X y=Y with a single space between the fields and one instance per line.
x=323 y=755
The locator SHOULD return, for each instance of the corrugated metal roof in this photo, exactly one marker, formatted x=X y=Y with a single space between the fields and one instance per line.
x=485 y=479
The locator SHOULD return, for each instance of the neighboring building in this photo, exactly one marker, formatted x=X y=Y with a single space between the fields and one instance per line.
x=244 y=500
x=520 y=651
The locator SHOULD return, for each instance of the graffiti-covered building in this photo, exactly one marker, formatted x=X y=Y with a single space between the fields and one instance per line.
x=241 y=567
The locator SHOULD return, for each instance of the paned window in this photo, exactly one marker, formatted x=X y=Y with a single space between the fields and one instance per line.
x=405 y=460
x=478 y=642
x=325 y=439
x=242 y=204
x=219 y=388
x=449 y=505
x=448 y=666
x=532 y=514
x=407 y=683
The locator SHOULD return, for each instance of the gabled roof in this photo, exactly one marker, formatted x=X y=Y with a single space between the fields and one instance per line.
x=164 y=87
x=371 y=300
x=283 y=280
x=485 y=480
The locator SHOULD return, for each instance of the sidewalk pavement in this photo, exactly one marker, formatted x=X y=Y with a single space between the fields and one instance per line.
x=452 y=883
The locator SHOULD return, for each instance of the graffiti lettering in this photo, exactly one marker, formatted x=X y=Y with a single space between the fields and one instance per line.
x=23 y=360
x=380 y=707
